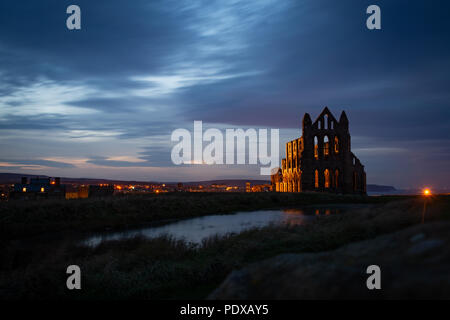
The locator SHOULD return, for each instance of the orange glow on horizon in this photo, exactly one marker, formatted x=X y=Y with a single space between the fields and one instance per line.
x=427 y=192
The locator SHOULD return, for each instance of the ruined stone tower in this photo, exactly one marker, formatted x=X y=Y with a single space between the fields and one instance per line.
x=321 y=159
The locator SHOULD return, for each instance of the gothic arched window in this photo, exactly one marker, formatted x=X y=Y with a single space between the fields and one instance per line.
x=326 y=146
x=336 y=145
x=316 y=148
x=326 y=174
x=316 y=179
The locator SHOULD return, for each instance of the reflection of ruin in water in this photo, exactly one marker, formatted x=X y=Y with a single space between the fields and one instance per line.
x=199 y=228
x=317 y=212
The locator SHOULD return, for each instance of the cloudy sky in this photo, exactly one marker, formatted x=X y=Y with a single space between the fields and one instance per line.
x=104 y=100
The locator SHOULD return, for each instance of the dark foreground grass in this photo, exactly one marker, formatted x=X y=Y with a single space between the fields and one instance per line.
x=163 y=268
x=19 y=219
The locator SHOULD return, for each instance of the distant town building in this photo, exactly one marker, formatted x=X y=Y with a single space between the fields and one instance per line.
x=38 y=188
x=321 y=159
x=77 y=192
x=43 y=188
x=261 y=188
x=101 y=190
x=4 y=192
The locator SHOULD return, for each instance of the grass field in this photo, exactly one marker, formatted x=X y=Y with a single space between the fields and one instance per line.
x=163 y=268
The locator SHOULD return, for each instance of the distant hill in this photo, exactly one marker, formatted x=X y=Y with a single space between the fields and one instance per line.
x=10 y=178
x=231 y=182
x=380 y=188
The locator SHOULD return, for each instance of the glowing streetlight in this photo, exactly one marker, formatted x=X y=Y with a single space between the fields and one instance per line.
x=426 y=193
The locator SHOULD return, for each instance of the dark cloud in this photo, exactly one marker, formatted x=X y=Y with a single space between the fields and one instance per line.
x=113 y=105
x=103 y=161
x=38 y=122
x=158 y=156
x=39 y=162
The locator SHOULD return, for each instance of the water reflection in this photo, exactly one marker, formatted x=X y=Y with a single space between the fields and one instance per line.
x=196 y=229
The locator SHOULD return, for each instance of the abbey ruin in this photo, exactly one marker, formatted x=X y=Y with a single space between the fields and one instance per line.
x=321 y=159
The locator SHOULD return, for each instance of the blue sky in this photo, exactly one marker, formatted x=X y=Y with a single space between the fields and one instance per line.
x=103 y=101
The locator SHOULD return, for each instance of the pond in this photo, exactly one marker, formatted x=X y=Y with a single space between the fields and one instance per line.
x=196 y=229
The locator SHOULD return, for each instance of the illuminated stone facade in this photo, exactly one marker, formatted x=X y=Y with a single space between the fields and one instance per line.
x=321 y=159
